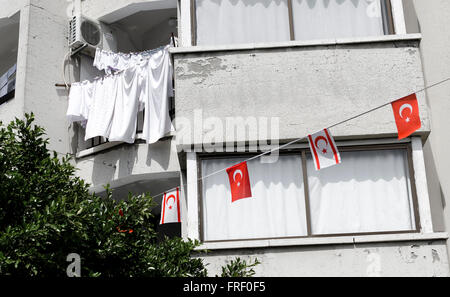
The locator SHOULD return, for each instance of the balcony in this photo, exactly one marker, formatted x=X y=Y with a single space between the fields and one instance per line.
x=306 y=85
x=134 y=27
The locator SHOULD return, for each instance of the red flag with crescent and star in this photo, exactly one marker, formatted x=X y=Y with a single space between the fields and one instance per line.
x=406 y=113
x=170 y=208
x=239 y=182
x=323 y=149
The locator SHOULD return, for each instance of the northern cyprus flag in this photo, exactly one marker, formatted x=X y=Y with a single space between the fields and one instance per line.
x=323 y=150
x=170 y=208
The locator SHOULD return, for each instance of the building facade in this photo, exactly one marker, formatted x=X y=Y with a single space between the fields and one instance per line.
x=251 y=75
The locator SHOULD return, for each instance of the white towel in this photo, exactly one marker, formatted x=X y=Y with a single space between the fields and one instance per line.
x=74 y=110
x=102 y=108
x=124 y=121
x=157 y=89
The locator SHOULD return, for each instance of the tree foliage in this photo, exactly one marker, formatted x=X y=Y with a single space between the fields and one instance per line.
x=47 y=213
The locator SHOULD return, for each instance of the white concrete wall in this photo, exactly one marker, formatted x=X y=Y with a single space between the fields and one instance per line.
x=46 y=49
x=434 y=21
x=110 y=11
x=42 y=47
x=391 y=259
x=307 y=87
x=126 y=164
x=11 y=7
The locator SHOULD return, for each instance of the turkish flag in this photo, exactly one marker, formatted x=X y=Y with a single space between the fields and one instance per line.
x=323 y=149
x=406 y=113
x=239 y=182
x=170 y=208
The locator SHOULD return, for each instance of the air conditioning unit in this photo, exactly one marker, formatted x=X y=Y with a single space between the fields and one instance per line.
x=85 y=35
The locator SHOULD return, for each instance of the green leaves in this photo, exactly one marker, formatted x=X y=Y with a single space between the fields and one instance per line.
x=239 y=268
x=46 y=213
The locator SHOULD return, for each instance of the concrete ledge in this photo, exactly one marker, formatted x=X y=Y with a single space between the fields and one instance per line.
x=287 y=44
x=108 y=145
x=337 y=240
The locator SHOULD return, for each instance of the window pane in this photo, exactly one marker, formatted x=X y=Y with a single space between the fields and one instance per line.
x=322 y=19
x=368 y=192
x=277 y=208
x=221 y=22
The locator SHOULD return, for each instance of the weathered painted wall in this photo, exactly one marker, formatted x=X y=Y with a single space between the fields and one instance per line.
x=125 y=164
x=307 y=88
x=434 y=20
x=42 y=47
x=47 y=47
x=395 y=259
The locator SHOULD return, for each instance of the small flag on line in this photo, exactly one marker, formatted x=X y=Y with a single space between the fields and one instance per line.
x=406 y=113
x=170 y=208
x=323 y=149
x=239 y=182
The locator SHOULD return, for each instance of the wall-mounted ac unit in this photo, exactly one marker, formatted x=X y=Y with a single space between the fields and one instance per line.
x=89 y=34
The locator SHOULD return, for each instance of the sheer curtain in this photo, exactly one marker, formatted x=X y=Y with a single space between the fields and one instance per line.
x=277 y=208
x=368 y=192
x=322 y=19
x=221 y=22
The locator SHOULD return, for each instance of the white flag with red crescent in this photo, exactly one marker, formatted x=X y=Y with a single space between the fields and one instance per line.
x=323 y=149
x=170 y=208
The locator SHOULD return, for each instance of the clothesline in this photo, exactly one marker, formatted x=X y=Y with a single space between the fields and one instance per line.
x=173 y=42
x=304 y=137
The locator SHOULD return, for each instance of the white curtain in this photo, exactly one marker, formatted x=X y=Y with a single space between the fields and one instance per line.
x=368 y=192
x=277 y=208
x=221 y=22
x=322 y=19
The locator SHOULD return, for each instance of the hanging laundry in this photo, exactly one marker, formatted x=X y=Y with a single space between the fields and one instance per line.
x=157 y=89
x=102 y=108
x=129 y=91
x=80 y=100
x=109 y=106
x=113 y=62
x=75 y=102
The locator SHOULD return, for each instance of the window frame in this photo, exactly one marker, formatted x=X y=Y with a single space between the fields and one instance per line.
x=302 y=152
x=391 y=15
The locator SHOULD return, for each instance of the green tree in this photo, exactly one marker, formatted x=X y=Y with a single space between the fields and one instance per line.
x=47 y=213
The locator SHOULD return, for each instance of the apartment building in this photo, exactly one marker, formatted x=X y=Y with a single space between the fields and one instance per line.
x=249 y=76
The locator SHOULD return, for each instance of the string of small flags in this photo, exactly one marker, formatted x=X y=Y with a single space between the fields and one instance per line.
x=323 y=149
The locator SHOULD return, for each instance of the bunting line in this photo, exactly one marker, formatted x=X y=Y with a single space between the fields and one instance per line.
x=281 y=146
x=305 y=137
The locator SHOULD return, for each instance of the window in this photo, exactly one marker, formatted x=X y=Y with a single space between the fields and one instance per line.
x=277 y=209
x=370 y=192
x=9 y=34
x=253 y=21
x=242 y=21
x=8 y=84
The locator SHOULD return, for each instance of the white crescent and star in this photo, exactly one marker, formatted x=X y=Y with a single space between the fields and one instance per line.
x=236 y=173
x=402 y=108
